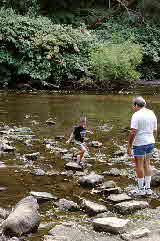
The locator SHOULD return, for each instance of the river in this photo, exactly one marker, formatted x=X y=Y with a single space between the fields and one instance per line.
x=33 y=110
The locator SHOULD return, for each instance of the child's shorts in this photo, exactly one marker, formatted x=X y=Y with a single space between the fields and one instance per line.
x=81 y=145
x=143 y=150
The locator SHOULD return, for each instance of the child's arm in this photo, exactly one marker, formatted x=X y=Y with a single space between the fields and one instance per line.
x=70 y=138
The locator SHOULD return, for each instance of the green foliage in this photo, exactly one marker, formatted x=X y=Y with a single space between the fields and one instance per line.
x=38 y=49
x=116 y=62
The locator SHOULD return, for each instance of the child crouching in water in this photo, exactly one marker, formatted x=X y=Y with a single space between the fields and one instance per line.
x=78 y=134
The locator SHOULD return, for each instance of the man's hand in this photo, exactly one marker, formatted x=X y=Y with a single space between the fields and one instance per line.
x=129 y=151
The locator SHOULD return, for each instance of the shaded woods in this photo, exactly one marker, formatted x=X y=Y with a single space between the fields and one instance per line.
x=56 y=45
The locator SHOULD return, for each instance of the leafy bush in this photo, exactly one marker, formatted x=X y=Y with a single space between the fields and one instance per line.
x=38 y=49
x=115 y=63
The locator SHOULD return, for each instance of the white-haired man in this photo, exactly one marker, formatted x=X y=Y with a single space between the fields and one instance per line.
x=141 y=138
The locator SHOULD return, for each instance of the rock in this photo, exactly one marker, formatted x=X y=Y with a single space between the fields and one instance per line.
x=91 y=179
x=23 y=219
x=73 y=166
x=43 y=196
x=116 y=198
x=67 y=205
x=50 y=122
x=136 y=234
x=6 y=148
x=119 y=153
x=108 y=184
x=52 y=173
x=93 y=208
x=116 y=190
x=96 y=144
x=4 y=213
x=130 y=206
x=59 y=138
x=110 y=224
x=32 y=156
x=38 y=172
x=67 y=157
x=116 y=172
x=155 y=180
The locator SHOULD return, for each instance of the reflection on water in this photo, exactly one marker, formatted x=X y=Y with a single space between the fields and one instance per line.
x=29 y=110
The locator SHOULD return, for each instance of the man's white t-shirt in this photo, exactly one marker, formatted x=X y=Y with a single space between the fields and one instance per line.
x=145 y=122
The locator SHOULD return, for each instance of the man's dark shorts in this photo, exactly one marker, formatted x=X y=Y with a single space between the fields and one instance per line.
x=143 y=150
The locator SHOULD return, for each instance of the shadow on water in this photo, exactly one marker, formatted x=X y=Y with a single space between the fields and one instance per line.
x=32 y=110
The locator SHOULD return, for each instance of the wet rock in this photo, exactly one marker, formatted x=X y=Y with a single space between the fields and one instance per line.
x=73 y=166
x=52 y=173
x=130 y=206
x=50 y=122
x=4 y=213
x=92 y=208
x=23 y=219
x=59 y=138
x=20 y=131
x=108 y=184
x=67 y=173
x=110 y=224
x=32 y=156
x=105 y=128
x=116 y=198
x=78 y=173
x=38 y=172
x=52 y=142
x=96 y=144
x=91 y=180
x=43 y=196
x=67 y=157
x=116 y=172
x=115 y=190
x=136 y=234
x=6 y=148
x=67 y=205
x=155 y=180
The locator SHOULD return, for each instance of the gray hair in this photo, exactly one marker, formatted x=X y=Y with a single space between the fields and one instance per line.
x=139 y=101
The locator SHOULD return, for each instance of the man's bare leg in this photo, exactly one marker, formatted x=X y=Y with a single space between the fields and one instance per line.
x=147 y=172
x=139 y=161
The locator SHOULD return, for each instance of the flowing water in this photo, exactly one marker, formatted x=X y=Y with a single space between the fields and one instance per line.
x=32 y=110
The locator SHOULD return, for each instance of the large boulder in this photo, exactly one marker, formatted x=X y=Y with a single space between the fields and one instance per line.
x=23 y=219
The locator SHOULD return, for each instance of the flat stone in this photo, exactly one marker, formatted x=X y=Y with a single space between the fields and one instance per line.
x=67 y=205
x=136 y=234
x=116 y=198
x=33 y=156
x=43 y=196
x=131 y=206
x=93 y=208
x=91 y=179
x=73 y=166
x=116 y=190
x=110 y=224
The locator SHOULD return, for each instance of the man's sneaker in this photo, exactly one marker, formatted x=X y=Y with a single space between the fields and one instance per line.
x=148 y=191
x=138 y=192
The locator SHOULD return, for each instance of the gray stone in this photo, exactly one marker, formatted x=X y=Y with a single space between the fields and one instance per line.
x=43 y=196
x=38 y=172
x=91 y=179
x=96 y=144
x=131 y=206
x=116 y=198
x=67 y=205
x=136 y=234
x=110 y=224
x=155 y=180
x=93 y=208
x=73 y=166
x=23 y=219
x=116 y=190
x=33 y=156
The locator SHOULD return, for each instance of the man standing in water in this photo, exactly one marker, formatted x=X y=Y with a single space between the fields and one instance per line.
x=141 y=137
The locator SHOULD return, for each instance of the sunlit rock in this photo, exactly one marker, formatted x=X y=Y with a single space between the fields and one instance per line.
x=110 y=224
x=136 y=234
x=130 y=206
x=92 y=208
x=91 y=179
x=116 y=198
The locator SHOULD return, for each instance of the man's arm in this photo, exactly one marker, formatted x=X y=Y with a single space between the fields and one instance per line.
x=131 y=137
